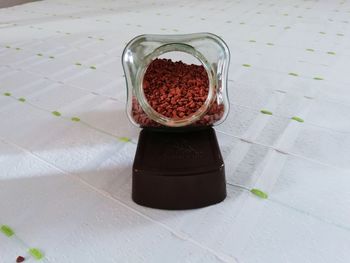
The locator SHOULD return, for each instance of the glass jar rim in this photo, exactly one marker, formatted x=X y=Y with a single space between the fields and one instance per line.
x=153 y=114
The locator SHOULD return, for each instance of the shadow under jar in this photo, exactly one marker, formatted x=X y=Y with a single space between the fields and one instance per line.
x=176 y=86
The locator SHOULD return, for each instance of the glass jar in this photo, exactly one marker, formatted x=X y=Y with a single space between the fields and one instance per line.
x=164 y=90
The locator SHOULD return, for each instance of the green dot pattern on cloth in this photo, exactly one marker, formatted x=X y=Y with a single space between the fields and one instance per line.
x=78 y=64
x=39 y=54
x=318 y=78
x=259 y=193
x=293 y=74
x=331 y=53
x=36 y=253
x=7 y=94
x=246 y=65
x=76 y=119
x=297 y=119
x=269 y=44
x=92 y=67
x=22 y=99
x=252 y=41
x=6 y=230
x=310 y=49
x=266 y=112
x=56 y=113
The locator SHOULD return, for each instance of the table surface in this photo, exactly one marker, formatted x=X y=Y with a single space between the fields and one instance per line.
x=66 y=145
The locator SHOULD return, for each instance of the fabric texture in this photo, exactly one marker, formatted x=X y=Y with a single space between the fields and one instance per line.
x=66 y=145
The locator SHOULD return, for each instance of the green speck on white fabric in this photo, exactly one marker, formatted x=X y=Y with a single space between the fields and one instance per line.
x=6 y=230
x=76 y=119
x=259 y=193
x=293 y=74
x=36 y=253
x=297 y=119
x=266 y=112
x=124 y=139
x=56 y=113
x=22 y=99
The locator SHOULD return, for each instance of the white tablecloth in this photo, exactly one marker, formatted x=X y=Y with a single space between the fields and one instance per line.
x=65 y=183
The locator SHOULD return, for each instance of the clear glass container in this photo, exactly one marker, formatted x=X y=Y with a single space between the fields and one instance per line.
x=145 y=56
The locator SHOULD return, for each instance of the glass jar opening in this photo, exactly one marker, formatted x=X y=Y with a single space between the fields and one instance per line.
x=175 y=85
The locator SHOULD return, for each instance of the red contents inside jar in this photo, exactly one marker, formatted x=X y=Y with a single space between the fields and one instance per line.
x=176 y=90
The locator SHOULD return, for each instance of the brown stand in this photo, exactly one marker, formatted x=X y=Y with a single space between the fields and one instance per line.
x=177 y=169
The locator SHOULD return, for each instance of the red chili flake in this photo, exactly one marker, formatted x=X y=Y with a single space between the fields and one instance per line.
x=20 y=259
x=176 y=90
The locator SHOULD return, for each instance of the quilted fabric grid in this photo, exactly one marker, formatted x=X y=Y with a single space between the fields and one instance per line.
x=66 y=146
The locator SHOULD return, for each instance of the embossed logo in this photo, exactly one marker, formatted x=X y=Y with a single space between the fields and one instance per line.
x=181 y=149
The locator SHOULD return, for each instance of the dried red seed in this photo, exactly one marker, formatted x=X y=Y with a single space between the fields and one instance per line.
x=20 y=259
x=176 y=90
x=181 y=109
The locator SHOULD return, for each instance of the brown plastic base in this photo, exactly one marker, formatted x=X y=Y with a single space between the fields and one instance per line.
x=178 y=169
